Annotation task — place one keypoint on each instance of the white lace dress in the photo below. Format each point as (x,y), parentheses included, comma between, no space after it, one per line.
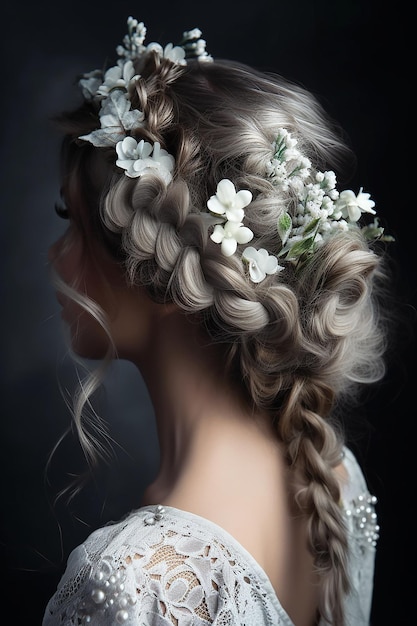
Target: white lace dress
(167,567)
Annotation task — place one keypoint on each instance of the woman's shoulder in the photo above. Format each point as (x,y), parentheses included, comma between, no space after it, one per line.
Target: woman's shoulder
(163,562)
(359,505)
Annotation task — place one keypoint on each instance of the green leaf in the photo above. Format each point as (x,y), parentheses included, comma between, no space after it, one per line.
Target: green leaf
(311,226)
(284,251)
(374,231)
(301,247)
(284,226)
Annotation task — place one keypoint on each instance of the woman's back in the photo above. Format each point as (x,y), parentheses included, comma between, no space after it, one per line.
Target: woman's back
(168,566)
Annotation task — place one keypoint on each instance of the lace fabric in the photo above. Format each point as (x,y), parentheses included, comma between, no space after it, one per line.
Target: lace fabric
(167,567)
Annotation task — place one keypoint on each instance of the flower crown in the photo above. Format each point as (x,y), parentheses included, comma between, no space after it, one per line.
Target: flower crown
(112,91)
(321,210)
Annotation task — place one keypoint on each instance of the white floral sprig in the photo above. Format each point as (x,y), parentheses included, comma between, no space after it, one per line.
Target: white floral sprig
(132,46)
(112,92)
(194,46)
(321,210)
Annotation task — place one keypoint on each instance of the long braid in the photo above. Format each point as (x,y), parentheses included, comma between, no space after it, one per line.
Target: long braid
(313,451)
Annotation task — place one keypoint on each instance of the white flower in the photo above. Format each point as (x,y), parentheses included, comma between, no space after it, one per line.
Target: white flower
(229,235)
(118,77)
(195,33)
(229,203)
(327,180)
(136,158)
(351,206)
(260,263)
(176,54)
(129,151)
(161,161)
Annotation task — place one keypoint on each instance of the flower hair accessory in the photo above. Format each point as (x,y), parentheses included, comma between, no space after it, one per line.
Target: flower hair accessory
(319,212)
(112,92)
(139,158)
(228,205)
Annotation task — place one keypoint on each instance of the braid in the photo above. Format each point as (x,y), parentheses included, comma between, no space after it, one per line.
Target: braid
(313,451)
(152,90)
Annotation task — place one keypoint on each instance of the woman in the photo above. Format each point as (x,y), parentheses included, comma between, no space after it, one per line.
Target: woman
(209,245)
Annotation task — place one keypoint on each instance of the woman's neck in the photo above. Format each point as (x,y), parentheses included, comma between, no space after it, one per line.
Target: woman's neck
(208,435)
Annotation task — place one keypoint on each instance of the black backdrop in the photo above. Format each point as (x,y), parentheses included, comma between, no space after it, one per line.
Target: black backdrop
(354,56)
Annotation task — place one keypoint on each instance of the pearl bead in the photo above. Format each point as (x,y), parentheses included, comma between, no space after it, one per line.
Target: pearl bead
(121,616)
(155,516)
(98,596)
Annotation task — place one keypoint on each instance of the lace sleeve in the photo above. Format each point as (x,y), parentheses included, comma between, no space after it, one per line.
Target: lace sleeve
(160,576)
(131,593)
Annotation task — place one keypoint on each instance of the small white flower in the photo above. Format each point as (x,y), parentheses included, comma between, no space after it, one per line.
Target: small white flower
(176,54)
(136,159)
(229,235)
(160,161)
(352,206)
(118,77)
(328,205)
(195,33)
(228,202)
(328,181)
(129,151)
(260,263)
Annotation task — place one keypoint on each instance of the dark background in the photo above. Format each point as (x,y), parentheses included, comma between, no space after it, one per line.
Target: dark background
(356,56)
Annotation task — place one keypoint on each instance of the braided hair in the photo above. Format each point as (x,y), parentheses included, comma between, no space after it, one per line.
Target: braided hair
(300,339)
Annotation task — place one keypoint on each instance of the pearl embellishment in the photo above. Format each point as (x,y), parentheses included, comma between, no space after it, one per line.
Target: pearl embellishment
(155,516)
(364,519)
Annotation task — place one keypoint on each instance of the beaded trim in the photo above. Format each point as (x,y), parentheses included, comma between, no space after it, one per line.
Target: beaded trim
(364,519)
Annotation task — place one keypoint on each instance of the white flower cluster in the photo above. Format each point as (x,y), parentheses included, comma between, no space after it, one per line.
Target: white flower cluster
(320,211)
(228,205)
(113,93)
